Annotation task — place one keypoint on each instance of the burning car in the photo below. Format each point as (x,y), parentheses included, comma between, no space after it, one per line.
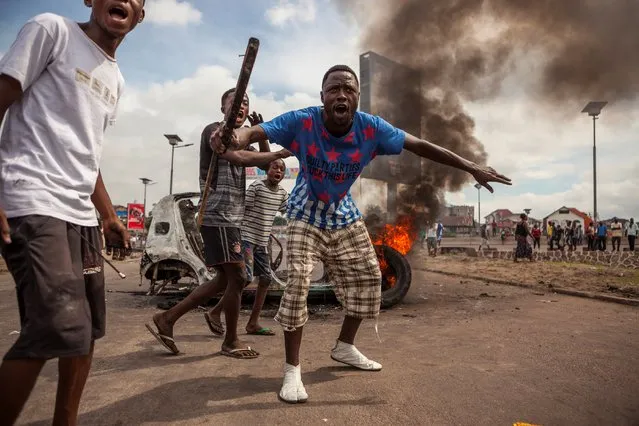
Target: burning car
(173,255)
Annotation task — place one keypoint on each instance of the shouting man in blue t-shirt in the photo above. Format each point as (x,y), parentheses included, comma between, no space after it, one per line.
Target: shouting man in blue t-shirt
(333,144)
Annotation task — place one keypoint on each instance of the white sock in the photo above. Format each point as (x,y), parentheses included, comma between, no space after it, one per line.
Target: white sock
(293,388)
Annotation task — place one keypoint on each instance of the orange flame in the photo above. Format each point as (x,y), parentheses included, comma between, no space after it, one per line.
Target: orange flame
(390,277)
(400,236)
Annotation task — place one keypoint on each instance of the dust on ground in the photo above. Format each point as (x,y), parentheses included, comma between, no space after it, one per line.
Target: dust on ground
(574,276)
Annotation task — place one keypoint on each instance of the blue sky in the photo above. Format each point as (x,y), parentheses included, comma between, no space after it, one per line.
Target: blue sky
(155,51)
(179,61)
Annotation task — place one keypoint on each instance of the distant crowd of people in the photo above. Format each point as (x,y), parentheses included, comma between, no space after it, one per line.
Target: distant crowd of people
(595,236)
(570,235)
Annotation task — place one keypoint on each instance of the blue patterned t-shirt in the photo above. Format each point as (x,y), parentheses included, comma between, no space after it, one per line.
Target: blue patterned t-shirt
(328,165)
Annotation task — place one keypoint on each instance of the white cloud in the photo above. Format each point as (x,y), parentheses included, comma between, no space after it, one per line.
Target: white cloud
(172,12)
(291,11)
(135,146)
(548,171)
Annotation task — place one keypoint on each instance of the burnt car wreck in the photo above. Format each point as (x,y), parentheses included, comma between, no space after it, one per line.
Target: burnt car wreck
(173,256)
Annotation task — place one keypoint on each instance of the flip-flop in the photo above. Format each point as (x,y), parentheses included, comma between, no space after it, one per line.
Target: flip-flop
(262,332)
(246,353)
(216,328)
(166,341)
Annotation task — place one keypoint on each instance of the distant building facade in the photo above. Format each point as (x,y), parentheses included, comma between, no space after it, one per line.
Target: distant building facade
(565,215)
(458,220)
(464,211)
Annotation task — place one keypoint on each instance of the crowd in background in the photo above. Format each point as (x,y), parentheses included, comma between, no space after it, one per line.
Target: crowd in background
(595,236)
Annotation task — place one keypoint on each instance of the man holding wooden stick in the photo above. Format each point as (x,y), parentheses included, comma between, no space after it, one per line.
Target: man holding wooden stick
(221,221)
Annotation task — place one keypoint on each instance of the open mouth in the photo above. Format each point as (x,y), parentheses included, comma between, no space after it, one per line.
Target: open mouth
(341,109)
(119,13)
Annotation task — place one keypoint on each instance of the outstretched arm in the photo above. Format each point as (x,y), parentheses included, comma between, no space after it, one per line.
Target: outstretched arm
(280,130)
(248,135)
(241,138)
(425,149)
(246,158)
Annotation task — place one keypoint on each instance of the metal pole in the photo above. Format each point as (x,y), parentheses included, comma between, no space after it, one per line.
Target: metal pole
(479,206)
(144,215)
(171,182)
(594,165)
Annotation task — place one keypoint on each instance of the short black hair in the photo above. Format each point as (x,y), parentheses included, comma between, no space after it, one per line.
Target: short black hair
(226,94)
(336,68)
(275,161)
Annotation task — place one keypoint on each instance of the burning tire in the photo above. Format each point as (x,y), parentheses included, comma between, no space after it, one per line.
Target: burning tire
(396,275)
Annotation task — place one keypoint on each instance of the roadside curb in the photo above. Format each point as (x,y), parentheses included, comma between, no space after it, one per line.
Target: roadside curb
(558,290)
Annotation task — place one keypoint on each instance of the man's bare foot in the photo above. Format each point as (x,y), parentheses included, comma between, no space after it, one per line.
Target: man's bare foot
(237,349)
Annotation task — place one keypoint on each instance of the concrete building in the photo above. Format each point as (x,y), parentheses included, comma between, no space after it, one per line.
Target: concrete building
(381,95)
(497,216)
(464,211)
(458,225)
(458,220)
(505,219)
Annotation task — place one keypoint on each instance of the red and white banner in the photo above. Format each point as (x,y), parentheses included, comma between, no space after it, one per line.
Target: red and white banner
(135,216)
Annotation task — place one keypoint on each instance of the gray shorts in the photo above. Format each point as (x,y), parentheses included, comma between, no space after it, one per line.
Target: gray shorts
(60,287)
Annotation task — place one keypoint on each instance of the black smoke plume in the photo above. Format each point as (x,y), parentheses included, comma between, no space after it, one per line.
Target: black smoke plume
(572,51)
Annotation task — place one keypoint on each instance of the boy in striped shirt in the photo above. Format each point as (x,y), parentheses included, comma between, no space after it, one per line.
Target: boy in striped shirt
(264,198)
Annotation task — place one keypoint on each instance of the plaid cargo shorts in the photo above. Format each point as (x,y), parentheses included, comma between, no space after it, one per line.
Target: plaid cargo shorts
(349,258)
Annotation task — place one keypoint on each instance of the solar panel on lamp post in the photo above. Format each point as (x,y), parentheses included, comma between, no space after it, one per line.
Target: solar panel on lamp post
(593,109)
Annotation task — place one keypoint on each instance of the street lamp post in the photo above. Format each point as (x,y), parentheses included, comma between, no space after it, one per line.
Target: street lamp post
(593,109)
(174,141)
(146,182)
(478,186)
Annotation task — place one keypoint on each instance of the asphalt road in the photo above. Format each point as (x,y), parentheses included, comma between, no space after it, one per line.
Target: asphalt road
(455,353)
